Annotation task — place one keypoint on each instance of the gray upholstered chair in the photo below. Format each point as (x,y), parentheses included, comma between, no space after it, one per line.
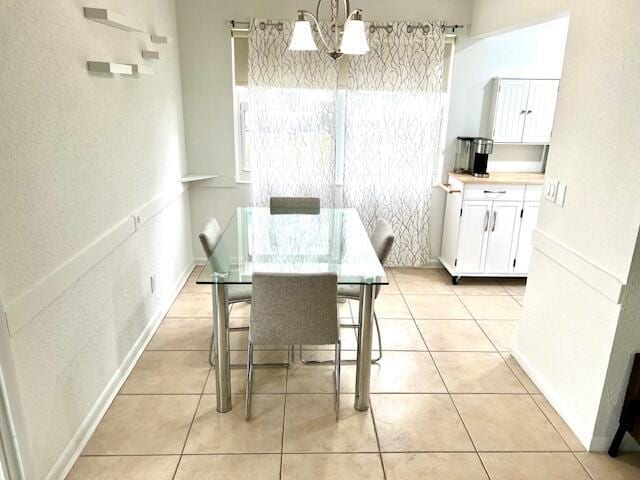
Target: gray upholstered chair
(284,205)
(209,238)
(294,309)
(382,240)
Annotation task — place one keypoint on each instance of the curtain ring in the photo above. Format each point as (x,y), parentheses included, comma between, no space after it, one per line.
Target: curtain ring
(279,26)
(387,28)
(426,29)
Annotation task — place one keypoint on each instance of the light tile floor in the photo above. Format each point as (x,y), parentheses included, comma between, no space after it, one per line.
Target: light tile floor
(448,400)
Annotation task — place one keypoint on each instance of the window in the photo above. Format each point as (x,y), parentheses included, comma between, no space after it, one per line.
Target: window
(240,47)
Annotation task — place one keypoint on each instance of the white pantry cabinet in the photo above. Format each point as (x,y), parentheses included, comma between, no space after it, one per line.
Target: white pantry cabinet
(523,110)
(489,223)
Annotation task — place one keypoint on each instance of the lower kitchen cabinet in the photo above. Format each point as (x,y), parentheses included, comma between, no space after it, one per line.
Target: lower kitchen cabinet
(488,226)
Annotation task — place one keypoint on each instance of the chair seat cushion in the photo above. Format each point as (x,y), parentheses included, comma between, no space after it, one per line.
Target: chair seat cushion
(238,293)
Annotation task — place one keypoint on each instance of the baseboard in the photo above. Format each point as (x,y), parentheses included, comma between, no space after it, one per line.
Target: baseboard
(602,444)
(77,443)
(583,432)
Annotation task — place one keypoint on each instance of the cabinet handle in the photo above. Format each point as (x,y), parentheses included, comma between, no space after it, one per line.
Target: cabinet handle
(523,112)
(495,216)
(486,220)
(529,112)
(495,192)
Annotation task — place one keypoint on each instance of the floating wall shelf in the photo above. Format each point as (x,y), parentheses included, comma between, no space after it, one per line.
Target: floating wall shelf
(109,17)
(150,55)
(161,39)
(141,69)
(110,67)
(192,177)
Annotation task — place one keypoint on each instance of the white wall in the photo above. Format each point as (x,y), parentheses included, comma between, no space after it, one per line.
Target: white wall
(594,235)
(205,54)
(532,52)
(80,153)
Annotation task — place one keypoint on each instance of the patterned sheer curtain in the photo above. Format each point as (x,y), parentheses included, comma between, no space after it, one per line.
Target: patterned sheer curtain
(291,116)
(393,121)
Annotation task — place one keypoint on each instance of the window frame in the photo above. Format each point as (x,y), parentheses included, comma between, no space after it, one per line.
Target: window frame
(241,105)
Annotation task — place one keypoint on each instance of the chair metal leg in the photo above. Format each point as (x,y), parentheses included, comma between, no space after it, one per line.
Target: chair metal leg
(313,362)
(348,362)
(375,321)
(247,403)
(337,379)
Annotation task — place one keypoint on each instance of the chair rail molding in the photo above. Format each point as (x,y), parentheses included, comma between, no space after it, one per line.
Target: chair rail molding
(605,283)
(51,286)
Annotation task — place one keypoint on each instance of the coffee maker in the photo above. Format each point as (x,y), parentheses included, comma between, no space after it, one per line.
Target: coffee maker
(473,155)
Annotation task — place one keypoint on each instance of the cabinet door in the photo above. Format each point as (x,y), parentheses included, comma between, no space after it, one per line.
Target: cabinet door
(510,110)
(474,226)
(527,226)
(541,110)
(500,244)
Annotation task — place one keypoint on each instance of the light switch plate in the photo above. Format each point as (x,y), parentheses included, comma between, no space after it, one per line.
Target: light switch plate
(551,189)
(561,191)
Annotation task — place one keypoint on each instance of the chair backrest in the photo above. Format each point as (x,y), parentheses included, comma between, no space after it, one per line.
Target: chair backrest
(294,309)
(303,205)
(210,236)
(382,239)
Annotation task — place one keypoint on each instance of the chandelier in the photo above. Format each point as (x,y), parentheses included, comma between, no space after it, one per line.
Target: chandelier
(347,39)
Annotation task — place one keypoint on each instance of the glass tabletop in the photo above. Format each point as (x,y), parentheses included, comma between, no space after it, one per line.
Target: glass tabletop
(328,240)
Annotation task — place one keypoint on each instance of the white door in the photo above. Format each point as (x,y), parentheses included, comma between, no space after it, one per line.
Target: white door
(500,245)
(527,226)
(541,110)
(474,226)
(510,110)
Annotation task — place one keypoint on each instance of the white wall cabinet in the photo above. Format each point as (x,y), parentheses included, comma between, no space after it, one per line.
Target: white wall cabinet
(489,226)
(523,110)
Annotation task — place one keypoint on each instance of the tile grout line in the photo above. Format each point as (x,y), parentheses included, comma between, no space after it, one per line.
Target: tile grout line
(375,431)
(447,388)
(193,419)
(284,411)
(491,341)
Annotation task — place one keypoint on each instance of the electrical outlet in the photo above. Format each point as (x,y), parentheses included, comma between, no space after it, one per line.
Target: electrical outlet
(153,283)
(551,189)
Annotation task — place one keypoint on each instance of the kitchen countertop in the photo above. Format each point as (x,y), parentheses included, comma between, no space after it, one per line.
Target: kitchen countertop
(510,178)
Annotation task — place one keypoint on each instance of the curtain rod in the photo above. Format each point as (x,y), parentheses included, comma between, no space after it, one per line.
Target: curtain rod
(235,25)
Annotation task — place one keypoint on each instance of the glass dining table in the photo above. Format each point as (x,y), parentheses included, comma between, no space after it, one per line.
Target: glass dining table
(264,240)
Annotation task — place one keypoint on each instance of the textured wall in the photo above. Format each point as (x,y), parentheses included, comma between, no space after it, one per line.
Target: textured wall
(80,152)
(594,151)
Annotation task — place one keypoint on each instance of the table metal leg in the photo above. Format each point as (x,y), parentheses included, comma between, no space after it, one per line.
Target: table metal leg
(221,348)
(365,336)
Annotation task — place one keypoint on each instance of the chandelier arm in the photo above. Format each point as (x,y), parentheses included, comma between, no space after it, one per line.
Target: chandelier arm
(317,23)
(351,14)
